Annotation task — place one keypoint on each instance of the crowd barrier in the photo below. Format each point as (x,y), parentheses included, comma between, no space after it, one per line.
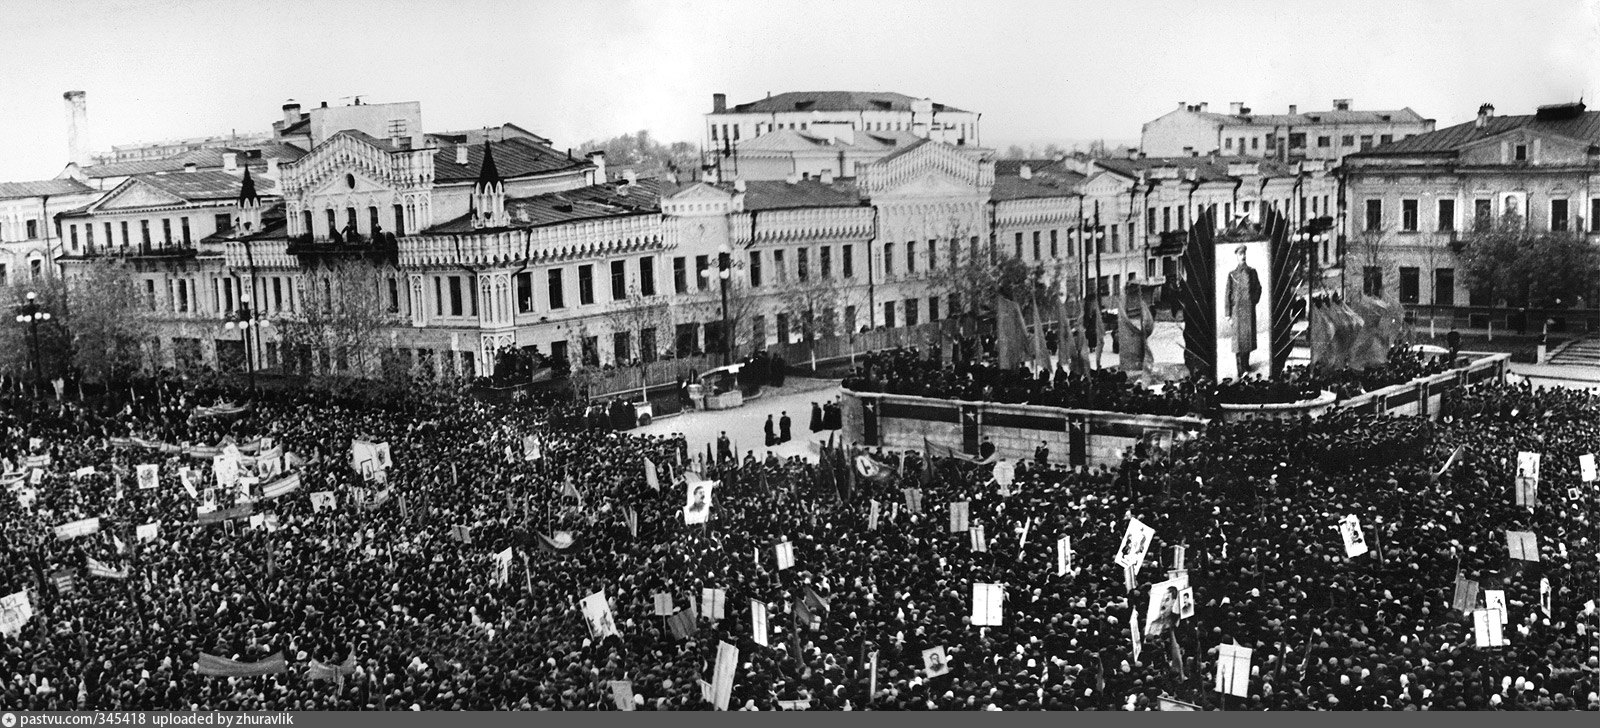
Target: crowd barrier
(1090,437)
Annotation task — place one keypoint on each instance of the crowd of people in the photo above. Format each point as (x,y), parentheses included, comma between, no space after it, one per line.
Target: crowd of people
(907,371)
(406,591)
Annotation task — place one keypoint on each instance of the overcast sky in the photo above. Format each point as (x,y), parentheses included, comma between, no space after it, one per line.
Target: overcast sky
(1062,70)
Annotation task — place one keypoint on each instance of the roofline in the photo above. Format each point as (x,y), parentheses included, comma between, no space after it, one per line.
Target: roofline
(531,226)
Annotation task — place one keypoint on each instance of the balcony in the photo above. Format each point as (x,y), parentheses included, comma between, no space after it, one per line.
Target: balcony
(379,248)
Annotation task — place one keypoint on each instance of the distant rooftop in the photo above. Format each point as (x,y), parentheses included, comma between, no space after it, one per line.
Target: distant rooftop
(832,101)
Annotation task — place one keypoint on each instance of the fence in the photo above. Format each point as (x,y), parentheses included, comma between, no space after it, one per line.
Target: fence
(1572,321)
(829,348)
(662,371)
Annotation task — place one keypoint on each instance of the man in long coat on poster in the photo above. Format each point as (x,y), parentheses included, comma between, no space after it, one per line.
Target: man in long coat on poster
(1244,292)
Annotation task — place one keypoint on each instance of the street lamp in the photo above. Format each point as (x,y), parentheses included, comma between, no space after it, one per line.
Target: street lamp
(1311,236)
(723,273)
(31,314)
(245,321)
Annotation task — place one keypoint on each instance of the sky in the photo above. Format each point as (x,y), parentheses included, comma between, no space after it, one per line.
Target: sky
(1062,71)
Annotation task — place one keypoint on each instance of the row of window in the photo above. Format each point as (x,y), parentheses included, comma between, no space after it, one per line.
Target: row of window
(146,239)
(35,270)
(31,227)
(352,221)
(1444,284)
(1560,219)
(556,286)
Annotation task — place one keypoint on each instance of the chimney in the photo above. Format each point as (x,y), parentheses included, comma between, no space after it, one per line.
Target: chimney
(272,168)
(1236,108)
(1341,104)
(324,104)
(461,154)
(77,128)
(1026,172)
(1204,105)
(291,113)
(190,167)
(630,176)
(598,159)
(708,174)
(1183,106)
(1194,153)
(1293,109)
(827,176)
(739,185)
(719,103)
(1485,113)
(230,161)
(793,178)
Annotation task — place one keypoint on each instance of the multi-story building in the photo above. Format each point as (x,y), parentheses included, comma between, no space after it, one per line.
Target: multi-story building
(1410,200)
(833,117)
(1326,135)
(29,239)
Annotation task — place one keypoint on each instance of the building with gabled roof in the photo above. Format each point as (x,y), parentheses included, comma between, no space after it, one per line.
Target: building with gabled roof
(29,238)
(1193,129)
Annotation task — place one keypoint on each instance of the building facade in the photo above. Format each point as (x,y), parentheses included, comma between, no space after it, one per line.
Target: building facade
(1411,201)
(836,116)
(29,239)
(1326,135)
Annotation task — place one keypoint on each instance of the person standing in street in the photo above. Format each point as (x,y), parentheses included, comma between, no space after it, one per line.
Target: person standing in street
(783,427)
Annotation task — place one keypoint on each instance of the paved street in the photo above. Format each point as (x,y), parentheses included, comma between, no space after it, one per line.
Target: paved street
(744,425)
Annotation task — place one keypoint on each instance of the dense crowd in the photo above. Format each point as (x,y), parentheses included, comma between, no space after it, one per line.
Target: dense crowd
(427,625)
(907,371)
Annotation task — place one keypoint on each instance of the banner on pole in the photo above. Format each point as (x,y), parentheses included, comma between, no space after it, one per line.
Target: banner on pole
(597,612)
(75,529)
(988,604)
(1233,670)
(1135,542)
(1355,542)
(1063,555)
(149,476)
(1523,545)
(758,622)
(935,662)
(785,552)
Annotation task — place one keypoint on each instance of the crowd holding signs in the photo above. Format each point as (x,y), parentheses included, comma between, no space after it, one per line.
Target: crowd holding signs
(469,556)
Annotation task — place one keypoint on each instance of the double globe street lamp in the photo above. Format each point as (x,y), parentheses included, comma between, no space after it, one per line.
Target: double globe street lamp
(249,325)
(723,272)
(31,314)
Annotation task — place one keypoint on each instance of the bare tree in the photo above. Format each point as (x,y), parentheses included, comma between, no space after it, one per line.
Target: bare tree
(107,321)
(636,315)
(336,330)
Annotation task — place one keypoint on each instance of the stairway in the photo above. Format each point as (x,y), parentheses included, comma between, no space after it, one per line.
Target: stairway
(1584,353)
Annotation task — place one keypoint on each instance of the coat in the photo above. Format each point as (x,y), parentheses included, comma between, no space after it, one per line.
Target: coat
(1244,292)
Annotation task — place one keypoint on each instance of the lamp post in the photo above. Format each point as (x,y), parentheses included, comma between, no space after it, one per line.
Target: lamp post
(31,314)
(245,320)
(723,273)
(1311,236)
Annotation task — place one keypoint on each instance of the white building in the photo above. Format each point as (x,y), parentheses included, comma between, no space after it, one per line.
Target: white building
(29,239)
(1327,135)
(836,115)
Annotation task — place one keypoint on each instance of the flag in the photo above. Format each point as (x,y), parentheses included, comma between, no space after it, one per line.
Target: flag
(870,468)
(1233,670)
(1022,541)
(1487,628)
(222,666)
(804,617)
(651,477)
(632,517)
(622,694)
(323,671)
(872,516)
(281,487)
(712,601)
(758,622)
(958,517)
(1465,598)
(1133,628)
(1454,454)
(815,602)
(722,676)
(1011,341)
(987,601)
(1523,545)
(682,625)
(913,500)
(1040,356)
(785,553)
